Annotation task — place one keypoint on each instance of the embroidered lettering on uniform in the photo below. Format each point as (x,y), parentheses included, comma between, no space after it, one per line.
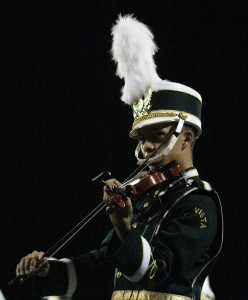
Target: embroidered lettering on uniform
(202,216)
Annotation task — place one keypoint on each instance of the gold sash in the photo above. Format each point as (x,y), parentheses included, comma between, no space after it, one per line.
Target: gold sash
(145,295)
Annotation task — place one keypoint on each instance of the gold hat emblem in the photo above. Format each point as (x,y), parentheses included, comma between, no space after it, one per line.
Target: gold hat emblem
(143,105)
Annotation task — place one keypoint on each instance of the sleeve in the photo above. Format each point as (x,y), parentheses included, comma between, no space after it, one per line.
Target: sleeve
(78,276)
(180,244)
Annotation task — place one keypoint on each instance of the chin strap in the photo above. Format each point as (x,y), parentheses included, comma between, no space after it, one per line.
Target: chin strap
(165,152)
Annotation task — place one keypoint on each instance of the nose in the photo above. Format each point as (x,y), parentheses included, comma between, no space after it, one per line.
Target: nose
(147,147)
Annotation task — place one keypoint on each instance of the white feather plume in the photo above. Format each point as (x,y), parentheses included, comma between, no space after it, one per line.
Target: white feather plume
(133,49)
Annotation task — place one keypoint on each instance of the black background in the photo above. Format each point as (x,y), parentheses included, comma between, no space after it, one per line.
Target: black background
(63,121)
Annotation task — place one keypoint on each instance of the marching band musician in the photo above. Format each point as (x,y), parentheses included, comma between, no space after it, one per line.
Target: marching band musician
(164,244)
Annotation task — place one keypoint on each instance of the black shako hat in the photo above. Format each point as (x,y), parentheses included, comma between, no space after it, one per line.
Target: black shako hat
(153,100)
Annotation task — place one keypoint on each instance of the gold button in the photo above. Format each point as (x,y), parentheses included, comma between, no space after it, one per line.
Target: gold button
(146,204)
(118,274)
(134,225)
(183,115)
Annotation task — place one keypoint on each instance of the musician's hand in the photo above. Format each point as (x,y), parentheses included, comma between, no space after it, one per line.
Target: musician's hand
(120,217)
(31,262)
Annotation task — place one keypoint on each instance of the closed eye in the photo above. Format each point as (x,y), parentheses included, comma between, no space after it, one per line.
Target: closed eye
(156,137)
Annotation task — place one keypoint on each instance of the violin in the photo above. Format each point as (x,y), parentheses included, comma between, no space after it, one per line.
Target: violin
(143,184)
(154,180)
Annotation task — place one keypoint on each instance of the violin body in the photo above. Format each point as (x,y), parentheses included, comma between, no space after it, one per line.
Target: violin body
(154,180)
(147,185)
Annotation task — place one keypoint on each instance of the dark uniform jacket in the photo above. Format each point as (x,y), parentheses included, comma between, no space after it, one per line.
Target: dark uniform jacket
(175,238)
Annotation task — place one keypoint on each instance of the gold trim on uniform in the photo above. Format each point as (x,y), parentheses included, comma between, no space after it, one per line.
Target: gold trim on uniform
(182,114)
(138,119)
(145,295)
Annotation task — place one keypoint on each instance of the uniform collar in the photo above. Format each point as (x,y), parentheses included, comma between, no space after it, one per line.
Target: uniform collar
(190,173)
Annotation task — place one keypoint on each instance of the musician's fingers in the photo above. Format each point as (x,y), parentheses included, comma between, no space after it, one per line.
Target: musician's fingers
(28,263)
(107,189)
(110,183)
(20,270)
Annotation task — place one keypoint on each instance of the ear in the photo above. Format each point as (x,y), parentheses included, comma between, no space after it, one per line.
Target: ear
(188,139)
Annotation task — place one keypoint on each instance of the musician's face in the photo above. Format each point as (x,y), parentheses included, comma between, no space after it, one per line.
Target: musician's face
(151,137)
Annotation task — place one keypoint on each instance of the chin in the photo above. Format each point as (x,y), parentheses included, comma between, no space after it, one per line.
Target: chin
(156,166)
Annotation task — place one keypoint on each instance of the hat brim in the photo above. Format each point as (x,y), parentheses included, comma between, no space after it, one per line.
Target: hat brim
(150,120)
